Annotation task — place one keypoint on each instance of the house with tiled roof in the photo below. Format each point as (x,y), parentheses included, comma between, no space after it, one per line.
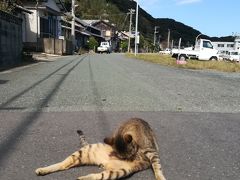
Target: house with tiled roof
(108,30)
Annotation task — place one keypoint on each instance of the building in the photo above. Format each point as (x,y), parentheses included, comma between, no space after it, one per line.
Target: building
(83,31)
(50,23)
(225,47)
(108,30)
(43,22)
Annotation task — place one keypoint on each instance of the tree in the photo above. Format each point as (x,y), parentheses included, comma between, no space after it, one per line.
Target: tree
(101,9)
(92,43)
(5,6)
(124,46)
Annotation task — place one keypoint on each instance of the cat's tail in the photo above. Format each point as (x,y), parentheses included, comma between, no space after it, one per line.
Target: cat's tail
(83,141)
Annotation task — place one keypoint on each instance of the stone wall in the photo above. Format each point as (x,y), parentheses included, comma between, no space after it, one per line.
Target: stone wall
(10,40)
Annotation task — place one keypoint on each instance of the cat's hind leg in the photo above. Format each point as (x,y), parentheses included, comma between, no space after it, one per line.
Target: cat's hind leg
(92,154)
(70,161)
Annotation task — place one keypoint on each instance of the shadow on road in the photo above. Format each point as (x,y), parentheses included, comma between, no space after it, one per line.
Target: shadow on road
(3,105)
(12,140)
(101,117)
(3,81)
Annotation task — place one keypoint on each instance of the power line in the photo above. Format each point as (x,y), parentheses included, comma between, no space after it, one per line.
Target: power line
(90,15)
(123,26)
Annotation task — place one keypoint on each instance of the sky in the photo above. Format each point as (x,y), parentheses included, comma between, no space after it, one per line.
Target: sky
(211,17)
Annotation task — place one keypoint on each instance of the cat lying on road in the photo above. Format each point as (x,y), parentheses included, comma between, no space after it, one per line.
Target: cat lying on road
(132,148)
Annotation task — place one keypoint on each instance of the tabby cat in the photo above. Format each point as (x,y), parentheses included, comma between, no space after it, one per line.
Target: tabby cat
(115,165)
(134,140)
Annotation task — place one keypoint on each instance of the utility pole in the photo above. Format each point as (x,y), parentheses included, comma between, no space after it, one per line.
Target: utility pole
(130,28)
(168,43)
(73,25)
(37,35)
(136,29)
(155,32)
(159,42)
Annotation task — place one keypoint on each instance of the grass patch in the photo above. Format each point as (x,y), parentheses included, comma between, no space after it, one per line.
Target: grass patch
(167,60)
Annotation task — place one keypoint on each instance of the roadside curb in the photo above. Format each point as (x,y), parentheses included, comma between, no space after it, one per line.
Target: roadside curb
(34,59)
(44,57)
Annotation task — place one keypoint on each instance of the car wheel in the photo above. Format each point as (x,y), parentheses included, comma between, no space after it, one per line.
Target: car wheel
(213,58)
(182,57)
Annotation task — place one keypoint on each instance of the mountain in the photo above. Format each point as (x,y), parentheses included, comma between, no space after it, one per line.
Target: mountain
(147,25)
(116,11)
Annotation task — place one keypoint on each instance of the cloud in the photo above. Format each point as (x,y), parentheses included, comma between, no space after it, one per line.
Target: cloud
(182,2)
(148,4)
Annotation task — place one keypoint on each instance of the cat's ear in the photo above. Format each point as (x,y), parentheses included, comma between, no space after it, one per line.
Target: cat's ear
(127,138)
(108,141)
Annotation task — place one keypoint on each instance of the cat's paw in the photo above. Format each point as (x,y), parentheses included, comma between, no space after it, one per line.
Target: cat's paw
(40,172)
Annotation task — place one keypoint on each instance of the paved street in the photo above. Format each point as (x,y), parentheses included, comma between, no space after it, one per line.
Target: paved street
(195,114)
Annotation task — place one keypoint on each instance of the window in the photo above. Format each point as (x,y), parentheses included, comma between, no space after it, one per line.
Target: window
(220,45)
(48,27)
(234,53)
(230,45)
(207,44)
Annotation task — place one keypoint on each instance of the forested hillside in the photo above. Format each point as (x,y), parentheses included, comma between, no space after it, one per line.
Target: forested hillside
(116,11)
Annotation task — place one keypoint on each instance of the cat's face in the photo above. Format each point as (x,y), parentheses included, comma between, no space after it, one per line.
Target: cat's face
(124,146)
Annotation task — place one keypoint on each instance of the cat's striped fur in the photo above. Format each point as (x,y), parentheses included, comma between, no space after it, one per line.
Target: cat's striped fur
(134,140)
(105,155)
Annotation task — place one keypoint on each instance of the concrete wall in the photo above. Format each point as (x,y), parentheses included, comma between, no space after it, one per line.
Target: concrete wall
(57,46)
(31,27)
(10,40)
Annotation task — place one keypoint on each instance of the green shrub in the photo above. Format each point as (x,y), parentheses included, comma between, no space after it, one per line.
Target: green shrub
(124,46)
(92,43)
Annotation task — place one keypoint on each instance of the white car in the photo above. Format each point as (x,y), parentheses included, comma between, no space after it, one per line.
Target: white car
(104,47)
(233,56)
(166,51)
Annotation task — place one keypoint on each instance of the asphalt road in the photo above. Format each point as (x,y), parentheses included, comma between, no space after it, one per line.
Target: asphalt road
(196,115)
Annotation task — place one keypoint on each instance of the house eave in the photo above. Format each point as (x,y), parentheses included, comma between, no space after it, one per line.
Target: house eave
(23,9)
(47,9)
